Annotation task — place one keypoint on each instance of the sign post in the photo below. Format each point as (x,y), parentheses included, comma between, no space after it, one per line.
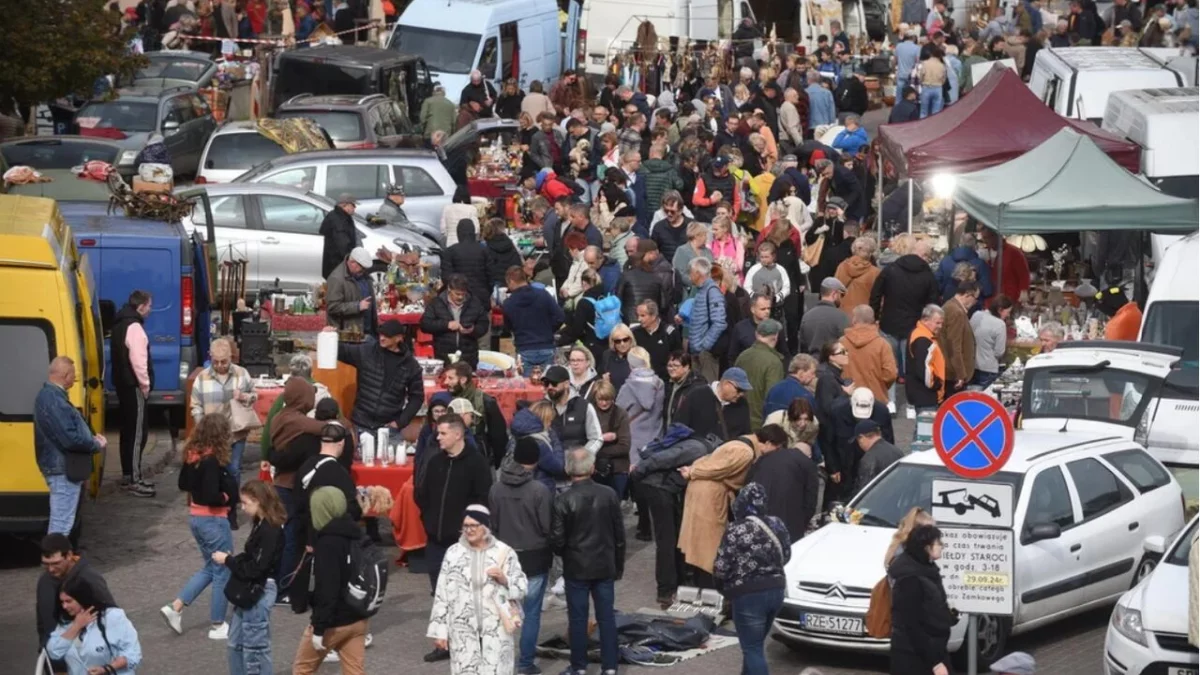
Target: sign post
(973,435)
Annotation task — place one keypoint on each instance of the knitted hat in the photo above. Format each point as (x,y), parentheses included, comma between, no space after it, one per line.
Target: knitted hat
(480,514)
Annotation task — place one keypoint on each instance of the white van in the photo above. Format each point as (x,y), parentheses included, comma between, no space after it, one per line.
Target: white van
(500,38)
(1076,81)
(1162,121)
(1172,314)
(611,26)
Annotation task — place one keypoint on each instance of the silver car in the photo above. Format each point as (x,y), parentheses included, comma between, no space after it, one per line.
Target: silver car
(366,174)
(234,149)
(277,230)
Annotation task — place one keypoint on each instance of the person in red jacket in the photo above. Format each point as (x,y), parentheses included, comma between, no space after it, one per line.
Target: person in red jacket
(551,186)
(1015,279)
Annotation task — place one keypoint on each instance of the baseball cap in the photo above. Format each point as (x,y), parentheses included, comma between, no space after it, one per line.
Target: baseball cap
(333,433)
(346,198)
(768,327)
(790,159)
(862,403)
(721,162)
(1016,663)
(832,284)
(555,375)
(737,377)
(391,328)
(836,201)
(866,427)
(461,405)
(360,256)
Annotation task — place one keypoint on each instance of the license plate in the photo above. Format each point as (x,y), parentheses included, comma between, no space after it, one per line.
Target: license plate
(1181,671)
(598,60)
(825,623)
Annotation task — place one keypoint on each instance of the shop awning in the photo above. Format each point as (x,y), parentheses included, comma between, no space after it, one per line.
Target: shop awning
(998,120)
(1067,184)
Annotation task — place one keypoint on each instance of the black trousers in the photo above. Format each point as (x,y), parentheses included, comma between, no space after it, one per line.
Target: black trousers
(434,554)
(134,428)
(793,311)
(666,517)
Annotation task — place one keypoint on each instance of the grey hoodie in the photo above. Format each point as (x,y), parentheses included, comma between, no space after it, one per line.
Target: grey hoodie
(521,510)
(642,398)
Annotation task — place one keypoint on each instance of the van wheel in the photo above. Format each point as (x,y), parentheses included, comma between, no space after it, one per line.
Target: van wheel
(1144,568)
(992,639)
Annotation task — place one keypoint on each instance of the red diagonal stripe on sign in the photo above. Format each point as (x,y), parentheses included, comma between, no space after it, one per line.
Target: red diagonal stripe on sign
(972,433)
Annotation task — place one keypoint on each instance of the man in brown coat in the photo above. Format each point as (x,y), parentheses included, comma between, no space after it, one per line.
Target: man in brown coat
(872,362)
(957,339)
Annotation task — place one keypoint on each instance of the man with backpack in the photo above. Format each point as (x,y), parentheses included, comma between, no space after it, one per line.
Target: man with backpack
(708,319)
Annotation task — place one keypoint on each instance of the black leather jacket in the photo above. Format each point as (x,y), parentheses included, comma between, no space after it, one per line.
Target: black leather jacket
(588,533)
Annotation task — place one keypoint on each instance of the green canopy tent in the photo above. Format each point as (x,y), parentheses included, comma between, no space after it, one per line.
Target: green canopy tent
(1067,184)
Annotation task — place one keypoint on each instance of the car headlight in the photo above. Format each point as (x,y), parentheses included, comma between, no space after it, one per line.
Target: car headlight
(128,157)
(1128,622)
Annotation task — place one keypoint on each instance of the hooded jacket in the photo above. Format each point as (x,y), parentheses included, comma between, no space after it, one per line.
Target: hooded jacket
(983,274)
(872,362)
(532,316)
(331,573)
(858,274)
(749,559)
(468,258)
(501,254)
(391,387)
(921,618)
(521,510)
(299,397)
(642,400)
(473,315)
(550,467)
(340,237)
(900,292)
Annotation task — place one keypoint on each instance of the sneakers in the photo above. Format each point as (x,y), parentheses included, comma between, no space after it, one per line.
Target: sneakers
(220,632)
(529,670)
(283,601)
(174,619)
(138,488)
(368,640)
(332,657)
(437,655)
(892,408)
(572,671)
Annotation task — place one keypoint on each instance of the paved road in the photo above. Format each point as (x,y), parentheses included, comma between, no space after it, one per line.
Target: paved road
(146,552)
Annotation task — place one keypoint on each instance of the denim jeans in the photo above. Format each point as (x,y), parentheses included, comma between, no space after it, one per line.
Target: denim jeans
(212,533)
(899,347)
(291,548)
(533,620)
(601,592)
(535,357)
(931,101)
(753,615)
(64,502)
(619,482)
(984,379)
(249,644)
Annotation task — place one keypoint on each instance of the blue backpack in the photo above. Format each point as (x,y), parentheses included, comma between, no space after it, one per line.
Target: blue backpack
(608,315)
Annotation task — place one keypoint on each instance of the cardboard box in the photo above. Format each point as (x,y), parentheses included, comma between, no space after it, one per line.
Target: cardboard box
(140,185)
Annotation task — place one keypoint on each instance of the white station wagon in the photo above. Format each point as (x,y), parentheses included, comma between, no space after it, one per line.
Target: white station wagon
(1084,505)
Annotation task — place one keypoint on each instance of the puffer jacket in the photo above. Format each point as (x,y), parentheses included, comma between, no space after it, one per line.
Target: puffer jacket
(468,258)
(437,317)
(581,326)
(501,255)
(659,469)
(900,292)
(642,400)
(550,467)
(391,387)
(858,275)
(660,176)
(749,559)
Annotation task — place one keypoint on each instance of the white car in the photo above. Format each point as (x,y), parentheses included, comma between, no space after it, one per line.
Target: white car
(276,229)
(1084,503)
(1148,630)
(232,150)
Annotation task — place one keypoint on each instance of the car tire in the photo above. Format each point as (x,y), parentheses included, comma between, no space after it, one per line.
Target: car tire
(992,641)
(1143,570)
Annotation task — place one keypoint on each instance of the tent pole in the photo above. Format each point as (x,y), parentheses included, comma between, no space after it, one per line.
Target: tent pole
(1000,265)
(910,203)
(879,195)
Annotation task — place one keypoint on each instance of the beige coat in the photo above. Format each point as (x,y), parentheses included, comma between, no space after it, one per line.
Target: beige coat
(957,340)
(715,481)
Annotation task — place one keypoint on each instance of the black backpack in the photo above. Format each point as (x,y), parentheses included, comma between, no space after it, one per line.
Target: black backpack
(368,578)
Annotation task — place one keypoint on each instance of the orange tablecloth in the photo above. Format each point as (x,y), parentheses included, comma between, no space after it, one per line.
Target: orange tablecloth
(405,516)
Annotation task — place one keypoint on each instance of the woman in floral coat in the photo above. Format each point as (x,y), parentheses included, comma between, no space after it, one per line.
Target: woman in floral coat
(476,605)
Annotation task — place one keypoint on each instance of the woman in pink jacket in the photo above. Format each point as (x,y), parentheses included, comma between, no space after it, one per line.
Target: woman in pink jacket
(726,245)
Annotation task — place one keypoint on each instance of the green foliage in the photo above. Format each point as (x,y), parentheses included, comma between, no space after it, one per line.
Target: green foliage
(52,48)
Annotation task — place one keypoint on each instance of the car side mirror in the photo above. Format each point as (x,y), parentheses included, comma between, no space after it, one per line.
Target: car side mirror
(1155,544)
(170,127)
(1043,531)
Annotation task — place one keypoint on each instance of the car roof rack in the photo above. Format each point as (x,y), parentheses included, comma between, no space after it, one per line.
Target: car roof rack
(297,98)
(1123,345)
(369,97)
(176,90)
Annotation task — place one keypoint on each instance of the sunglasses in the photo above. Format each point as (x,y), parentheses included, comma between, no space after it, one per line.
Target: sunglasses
(623,340)
(839,353)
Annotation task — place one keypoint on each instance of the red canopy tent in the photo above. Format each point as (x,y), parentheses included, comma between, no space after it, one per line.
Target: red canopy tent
(999,120)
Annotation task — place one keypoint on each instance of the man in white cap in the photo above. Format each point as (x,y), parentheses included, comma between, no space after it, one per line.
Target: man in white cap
(349,298)
(1016,663)
(841,460)
(339,233)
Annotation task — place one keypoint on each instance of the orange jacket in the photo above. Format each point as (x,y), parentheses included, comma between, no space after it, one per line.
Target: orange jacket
(1125,324)
(933,369)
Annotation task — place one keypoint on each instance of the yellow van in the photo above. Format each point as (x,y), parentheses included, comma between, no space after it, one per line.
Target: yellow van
(48,308)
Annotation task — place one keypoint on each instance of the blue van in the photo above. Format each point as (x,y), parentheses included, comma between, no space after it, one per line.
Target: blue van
(128,254)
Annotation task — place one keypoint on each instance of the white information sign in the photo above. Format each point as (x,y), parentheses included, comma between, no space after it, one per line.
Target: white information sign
(971,502)
(977,569)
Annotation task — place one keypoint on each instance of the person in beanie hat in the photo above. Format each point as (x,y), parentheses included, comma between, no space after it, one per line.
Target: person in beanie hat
(520,514)
(472,617)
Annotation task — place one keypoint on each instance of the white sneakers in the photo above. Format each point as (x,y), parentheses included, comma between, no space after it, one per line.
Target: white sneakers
(174,619)
(332,656)
(220,632)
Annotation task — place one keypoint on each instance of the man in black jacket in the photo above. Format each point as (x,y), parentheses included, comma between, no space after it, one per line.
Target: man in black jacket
(62,565)
(641,281)
(878,453)
(901,292)
(656,336)
(325,470)
(339,232)
(456,319)
(681,381)
(390,388)
(587,531)
(452,480)
(790,477)
(843,454)
(521,516)
(719,409)
(469,259)
(132,377)
(489,427)
(744,331)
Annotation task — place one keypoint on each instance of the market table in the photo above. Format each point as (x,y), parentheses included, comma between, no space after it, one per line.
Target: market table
(407,529)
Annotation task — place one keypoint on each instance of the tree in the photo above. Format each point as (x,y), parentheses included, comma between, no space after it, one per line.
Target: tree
(55,48)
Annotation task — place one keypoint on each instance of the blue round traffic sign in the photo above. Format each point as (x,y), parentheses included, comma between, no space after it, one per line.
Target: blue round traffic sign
(973,434)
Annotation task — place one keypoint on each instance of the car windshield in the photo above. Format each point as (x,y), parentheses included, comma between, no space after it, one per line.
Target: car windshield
(51,153)
(341,126)
(122,115)
(240,151)
(444,51)
(905,485)
(173,69)
(1175,323)
(1179,554)
(1097,393)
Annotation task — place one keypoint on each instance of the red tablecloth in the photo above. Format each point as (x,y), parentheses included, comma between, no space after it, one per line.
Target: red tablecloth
(313,323)
(507,391)
(405,516)
(266,399)
(490,189)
